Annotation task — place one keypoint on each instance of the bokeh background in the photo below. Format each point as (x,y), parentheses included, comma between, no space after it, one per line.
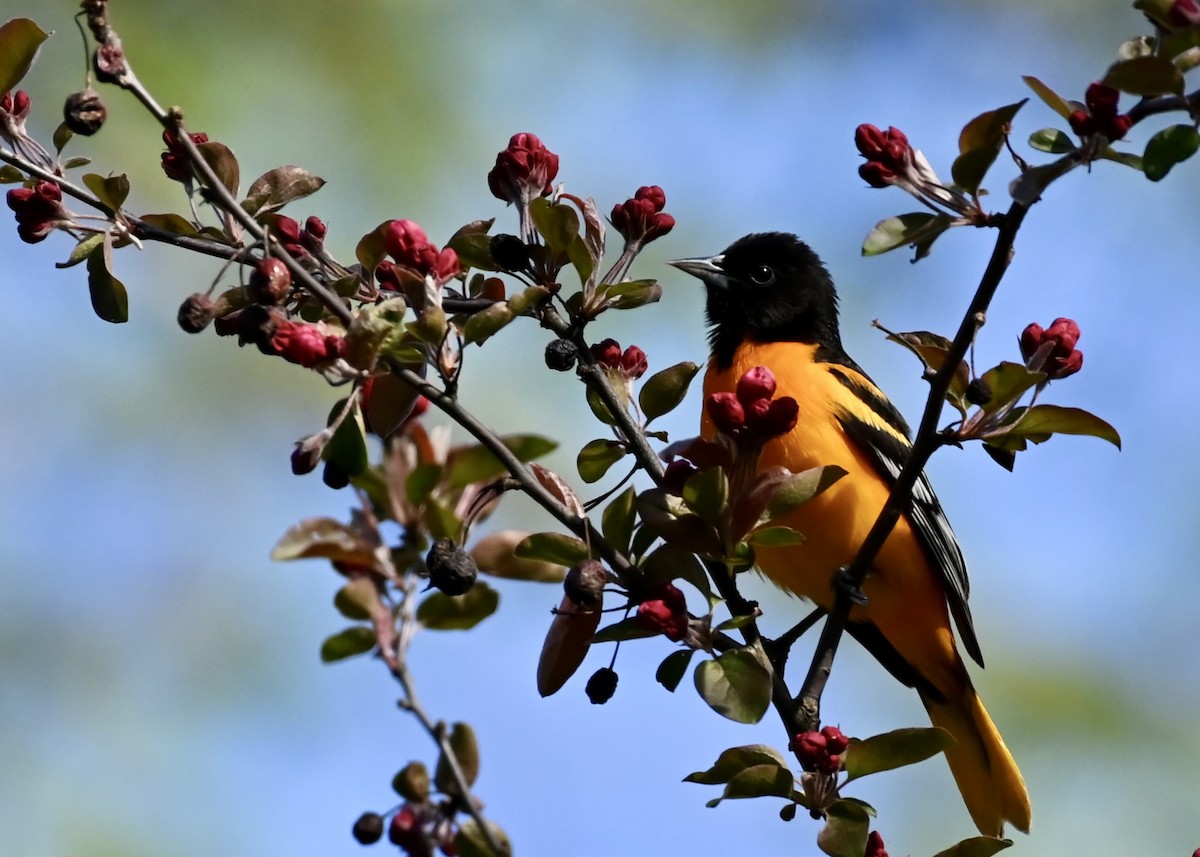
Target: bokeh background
(160,690)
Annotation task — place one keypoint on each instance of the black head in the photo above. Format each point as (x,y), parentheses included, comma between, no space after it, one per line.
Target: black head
(769,286)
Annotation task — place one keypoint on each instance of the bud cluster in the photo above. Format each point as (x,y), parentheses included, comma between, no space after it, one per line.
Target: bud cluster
(1101,115)
(300,242)
(309,345)
(14,108)
(38,209)
(407,243)
(630,364)
(1052,350)
(175,162)
(875,845)
(888,154)
(822,751)
(641,219)
(664,612)
(751,414)
(524,171)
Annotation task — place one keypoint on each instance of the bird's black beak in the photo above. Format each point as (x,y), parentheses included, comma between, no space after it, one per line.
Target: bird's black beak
(708,270)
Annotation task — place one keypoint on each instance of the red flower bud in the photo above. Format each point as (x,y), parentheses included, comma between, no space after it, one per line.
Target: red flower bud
(270,281)
(876,174)
(726,412)
(678,472)
(1057,345)
(1184,13)
(313,238)
(1101,100)
(835,739)
(14,107)
(524,171)
(607,352)
(875,845)
(175,160)
(757,383)
(304,344)
(886,153)
(831,764)
(38,210)
(811,749)
(1117,127)
(405,829)
(640,219)
(869,140)
(777,419)
(634,363)
(407,243)
(1082,123)
(664,613)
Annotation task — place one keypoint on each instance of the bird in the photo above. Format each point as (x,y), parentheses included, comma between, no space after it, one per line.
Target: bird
(771,302)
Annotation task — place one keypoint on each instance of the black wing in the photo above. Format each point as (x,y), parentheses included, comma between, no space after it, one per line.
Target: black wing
(888,452)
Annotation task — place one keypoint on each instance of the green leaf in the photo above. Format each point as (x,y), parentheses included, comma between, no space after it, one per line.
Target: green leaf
(665,390)
(767,780)
(470,840)
(324,538)
(557,223)
(666,516)
(442,612)
(473,245)
(495,554)
(735,685)
(1052,140)
(81,251)
(72,163)
(10,174)
(62,136)
(465,747)
(626,629)
(370,248)
(1008,382)
(476,463)
(894,750)
(632,294)
(775,537)
(733,761)
(670,672)
(110,190)
(799,488)
(567,643)
(1169,147)
(109,298)
(931,349)
(276,188)
(172,223)
(669,562)
(599,408)
(1145,76)
(347,449)
(1051,98)
(487,322)
(976,846)
(355,640)
(979,143)
(221,160)
(1027,188)
(412,782)
(20,39)
(596,457)
(553,547)
(919,227)
(523,301)
(1045,420)
(707,494)
(358,599)
(391,400)
(847,824)
(616,523)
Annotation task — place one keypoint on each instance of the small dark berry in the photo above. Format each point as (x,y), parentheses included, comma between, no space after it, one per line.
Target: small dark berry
(601,686)
(509,253)
(979,392)
(84,112)
(307,454)
(451,569)
(584,583)
(197,312)
(560,355)
(368,829)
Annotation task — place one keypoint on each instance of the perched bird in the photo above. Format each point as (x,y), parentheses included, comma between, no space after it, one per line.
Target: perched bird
(772,303)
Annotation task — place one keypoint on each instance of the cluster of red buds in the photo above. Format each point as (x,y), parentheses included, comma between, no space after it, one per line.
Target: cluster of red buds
(38,209)
(309,345)
(752,414)
(407,243)
(524,171)
(821,752)
(1101,116)
(1052,350)
(641,219)
(300,242)
(175,161)
(888,154)
(664,612)
(416,829)
(630,364)
(14,107)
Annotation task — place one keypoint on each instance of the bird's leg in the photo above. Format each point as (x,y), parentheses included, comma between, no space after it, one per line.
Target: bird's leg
(845,586)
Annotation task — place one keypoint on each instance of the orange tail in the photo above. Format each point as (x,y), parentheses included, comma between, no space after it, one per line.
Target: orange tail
(987,776)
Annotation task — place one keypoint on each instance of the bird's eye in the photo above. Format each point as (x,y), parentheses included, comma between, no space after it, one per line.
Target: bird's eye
(763,275)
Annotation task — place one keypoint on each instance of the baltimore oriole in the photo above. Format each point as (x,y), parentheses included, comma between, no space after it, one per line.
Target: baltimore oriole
(772,303)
